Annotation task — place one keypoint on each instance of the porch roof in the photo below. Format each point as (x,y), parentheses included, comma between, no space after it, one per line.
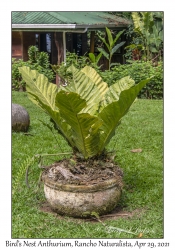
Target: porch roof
(61,20)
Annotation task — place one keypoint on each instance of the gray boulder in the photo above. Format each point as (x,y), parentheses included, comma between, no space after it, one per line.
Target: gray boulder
(20,118)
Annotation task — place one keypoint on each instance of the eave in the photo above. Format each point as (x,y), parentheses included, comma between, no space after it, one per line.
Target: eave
(61,27)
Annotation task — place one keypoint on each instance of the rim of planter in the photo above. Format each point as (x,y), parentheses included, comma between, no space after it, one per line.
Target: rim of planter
(106,184)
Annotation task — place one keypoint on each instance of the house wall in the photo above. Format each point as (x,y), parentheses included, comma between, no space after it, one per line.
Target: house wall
(17,45)
(20,44)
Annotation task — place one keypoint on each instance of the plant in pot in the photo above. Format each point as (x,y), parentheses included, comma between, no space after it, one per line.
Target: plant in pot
(86,113)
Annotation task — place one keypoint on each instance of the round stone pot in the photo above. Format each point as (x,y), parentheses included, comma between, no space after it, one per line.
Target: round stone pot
(82,200)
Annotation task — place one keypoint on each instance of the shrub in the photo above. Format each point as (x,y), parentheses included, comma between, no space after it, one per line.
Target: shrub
(17,81)
(139,71)
(40,61)
(73,59)
(37,61)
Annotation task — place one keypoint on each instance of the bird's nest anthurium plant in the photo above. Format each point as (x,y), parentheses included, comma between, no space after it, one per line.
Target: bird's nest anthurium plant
(86,111)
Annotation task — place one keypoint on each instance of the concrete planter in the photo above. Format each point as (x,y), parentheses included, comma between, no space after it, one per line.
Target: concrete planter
(82,200)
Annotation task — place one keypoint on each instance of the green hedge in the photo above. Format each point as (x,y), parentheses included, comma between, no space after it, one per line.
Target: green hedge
(139,71)
(37,61)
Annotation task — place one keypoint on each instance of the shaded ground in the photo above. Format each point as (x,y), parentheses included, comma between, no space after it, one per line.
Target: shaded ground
(117,213)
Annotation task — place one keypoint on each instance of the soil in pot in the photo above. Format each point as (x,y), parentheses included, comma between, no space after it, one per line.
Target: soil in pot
(75,187)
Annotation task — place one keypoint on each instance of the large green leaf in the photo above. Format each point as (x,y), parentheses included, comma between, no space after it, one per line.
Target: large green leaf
(110,38)
(43,94)
(104,41)
(117,47)
(147,21)
(138,25)
(155,39)
(114,91)
(103,51)
(86,112)
(39,88)
(85,128)
(97,59)
(89,85)
(96,79)
(92,57)
(114,111)
(118,36)
(40,91)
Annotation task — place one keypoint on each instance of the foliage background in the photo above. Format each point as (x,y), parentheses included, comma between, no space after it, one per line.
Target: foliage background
(139,71)
(38,61)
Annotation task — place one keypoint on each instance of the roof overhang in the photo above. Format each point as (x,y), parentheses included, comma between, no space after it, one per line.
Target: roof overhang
(60,27)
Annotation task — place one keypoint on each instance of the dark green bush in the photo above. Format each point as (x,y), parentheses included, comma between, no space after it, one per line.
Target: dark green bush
(78,61)
(17,82)
(139,71)
(38,61)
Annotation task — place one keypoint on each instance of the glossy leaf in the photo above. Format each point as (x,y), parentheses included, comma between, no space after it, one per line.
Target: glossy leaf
(117,47)
(89,85)
(87,111)
(114,91)
(98,57)
(118,36)
(92,57)
(43,94)
(104,41)
(104,52)
(110,38)
(85,128)
(115,110)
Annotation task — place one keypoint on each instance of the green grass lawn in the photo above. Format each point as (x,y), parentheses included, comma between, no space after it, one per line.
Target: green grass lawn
(142,196)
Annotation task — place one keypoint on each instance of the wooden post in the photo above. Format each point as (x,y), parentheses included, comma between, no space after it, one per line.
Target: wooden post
(84,43)
(92,41)
(58,36)
(21,36)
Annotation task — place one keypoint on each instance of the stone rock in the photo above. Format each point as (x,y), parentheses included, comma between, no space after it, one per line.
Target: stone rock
(20,118)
